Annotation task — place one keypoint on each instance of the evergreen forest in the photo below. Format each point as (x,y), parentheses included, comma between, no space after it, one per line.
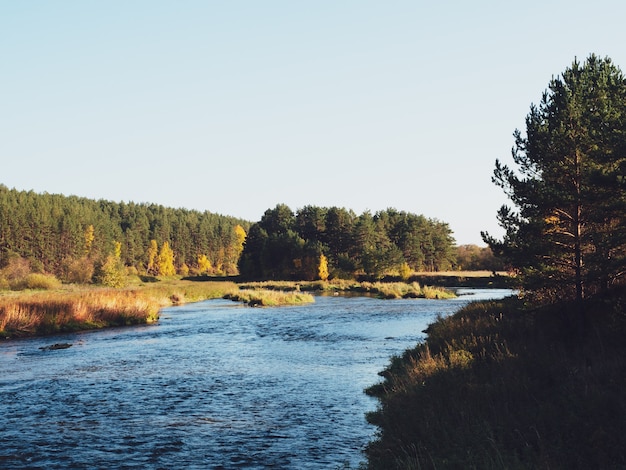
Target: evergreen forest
(74,238)
(318,242)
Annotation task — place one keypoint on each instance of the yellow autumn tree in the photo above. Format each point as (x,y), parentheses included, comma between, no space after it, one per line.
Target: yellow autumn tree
(89,239)
(322,269)
(112,273)
(204,265)
(241,238)
(166,260)
(405,271)
(153,251)
(183,270)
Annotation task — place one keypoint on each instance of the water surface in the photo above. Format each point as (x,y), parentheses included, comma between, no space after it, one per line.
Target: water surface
(214,385)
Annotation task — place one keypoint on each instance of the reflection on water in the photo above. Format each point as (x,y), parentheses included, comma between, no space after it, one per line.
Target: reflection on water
(213,385)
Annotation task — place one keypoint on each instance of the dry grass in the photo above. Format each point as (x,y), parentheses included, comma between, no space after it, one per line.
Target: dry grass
(72,308)
(384,290)
(46,313)
(270,298)
(497,386)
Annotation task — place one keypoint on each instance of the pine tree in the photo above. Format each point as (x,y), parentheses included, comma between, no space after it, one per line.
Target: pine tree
(567,236)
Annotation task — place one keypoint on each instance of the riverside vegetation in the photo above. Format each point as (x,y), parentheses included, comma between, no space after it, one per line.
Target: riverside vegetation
(72,308)
(537,382)
(48,307)
(501,385)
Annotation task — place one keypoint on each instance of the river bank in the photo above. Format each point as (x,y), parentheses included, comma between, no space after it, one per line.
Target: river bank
(499,386)
(76,308)
(213,385)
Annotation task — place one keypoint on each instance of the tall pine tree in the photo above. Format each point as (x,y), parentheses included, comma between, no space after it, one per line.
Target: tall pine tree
(567,235)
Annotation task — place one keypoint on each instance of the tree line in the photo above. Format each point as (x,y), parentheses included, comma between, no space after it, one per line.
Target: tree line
(317,242)
(74,238)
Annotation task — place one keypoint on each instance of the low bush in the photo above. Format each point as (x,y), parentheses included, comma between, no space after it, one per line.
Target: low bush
(42,281)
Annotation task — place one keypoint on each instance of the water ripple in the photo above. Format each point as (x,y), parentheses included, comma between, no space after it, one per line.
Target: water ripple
(210,386)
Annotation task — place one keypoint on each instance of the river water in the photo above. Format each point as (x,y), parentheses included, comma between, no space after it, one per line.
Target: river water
(213,385)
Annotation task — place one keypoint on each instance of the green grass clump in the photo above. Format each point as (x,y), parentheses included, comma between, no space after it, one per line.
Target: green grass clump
(269,298)
(500,386)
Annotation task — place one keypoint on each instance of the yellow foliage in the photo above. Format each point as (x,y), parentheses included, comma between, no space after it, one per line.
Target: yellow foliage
(184,270)
(89,239)
(204,265)
(117,250)
(552,222)
(153,251)
(322,270)
(166,261)
(405,271)
(240,233)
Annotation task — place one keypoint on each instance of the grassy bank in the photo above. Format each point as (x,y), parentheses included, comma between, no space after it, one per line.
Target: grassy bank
(54,312)
(32,313)
(497,386)
(64,308)
(269,298)
(385,290)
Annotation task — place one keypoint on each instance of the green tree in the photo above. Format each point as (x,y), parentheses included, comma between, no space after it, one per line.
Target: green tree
(567,235)
(152,253)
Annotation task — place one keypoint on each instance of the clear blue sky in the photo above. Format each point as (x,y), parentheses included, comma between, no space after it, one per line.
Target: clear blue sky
(236,106)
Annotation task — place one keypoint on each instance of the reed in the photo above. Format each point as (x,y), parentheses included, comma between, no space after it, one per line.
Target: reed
(72,309)
(54,312)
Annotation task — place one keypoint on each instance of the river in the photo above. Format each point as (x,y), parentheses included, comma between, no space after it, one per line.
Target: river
(213,385)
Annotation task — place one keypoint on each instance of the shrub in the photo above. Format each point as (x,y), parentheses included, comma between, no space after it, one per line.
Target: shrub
(41,281)
(111,273)
(78,271)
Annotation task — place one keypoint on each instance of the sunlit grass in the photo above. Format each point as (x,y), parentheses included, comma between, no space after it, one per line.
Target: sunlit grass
(270,298)
(73,308)
(52,312)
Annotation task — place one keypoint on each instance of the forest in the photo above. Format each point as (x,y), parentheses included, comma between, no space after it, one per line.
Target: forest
(80,240)
(318,242)
(74,238)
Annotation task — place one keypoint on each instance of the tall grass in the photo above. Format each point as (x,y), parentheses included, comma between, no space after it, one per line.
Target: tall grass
(72,309)
(269,298)
(177,292)
(54,312)
(385,290)
(498,386)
